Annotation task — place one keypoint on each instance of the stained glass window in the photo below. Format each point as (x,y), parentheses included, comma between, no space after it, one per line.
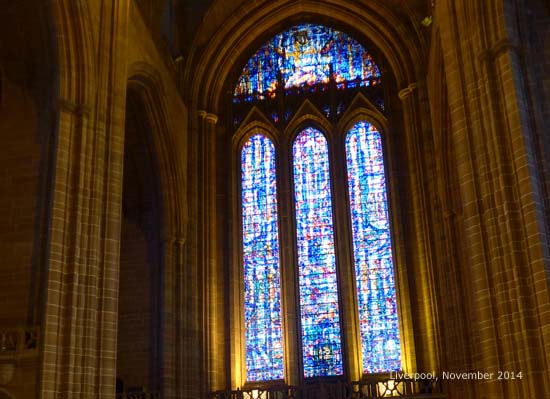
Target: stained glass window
(372,249)
(320,319)
(262,298)
(319,64)
(306,54)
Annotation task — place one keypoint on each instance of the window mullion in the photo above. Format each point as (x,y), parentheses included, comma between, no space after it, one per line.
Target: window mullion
(289,275)
(344,259)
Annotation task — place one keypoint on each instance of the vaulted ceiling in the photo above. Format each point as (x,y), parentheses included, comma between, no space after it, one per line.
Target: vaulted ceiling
(189,16)
(192,12)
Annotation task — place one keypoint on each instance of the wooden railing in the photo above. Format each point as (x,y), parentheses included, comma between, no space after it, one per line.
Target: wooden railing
(367,389)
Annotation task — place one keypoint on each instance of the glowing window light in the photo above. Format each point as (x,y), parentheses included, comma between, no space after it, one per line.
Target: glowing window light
(305,55)
(319,310)
(372,249)
(262,298)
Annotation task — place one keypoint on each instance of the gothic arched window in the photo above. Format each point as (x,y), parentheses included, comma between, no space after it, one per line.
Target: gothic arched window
(264,347)
(379,326)
(319,309)
(303,107)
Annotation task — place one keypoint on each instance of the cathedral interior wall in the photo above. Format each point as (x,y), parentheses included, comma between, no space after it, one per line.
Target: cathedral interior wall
(116,224)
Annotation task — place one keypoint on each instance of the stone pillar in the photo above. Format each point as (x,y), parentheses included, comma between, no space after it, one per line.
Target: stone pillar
(214,278)
(504,232)
(178,330)
(79,352)
(81,287)
(425,354)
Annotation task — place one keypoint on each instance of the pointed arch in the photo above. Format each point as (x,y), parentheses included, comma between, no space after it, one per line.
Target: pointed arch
(147,85)
(163,143)
(210,68)
(397,54)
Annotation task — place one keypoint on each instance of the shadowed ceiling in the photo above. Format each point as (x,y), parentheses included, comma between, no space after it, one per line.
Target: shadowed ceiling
(187,17)
(194,11)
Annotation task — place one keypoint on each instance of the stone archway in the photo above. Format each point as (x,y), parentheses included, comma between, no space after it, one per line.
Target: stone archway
(139,350)
(211,70)
(163,181)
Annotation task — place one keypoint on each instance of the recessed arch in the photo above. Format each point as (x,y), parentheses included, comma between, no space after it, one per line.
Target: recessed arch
(145,82)
(228,46)
(254,122)
(362,109)
(336,351)
(160,188)
(247,30)
(142,264)
(306,114)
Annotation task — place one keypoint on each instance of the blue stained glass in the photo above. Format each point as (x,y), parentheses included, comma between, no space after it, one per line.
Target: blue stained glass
(321,343)
(304,55)
(262,298)
(378,321)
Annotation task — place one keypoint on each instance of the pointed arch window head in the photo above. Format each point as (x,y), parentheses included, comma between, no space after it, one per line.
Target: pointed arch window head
(305,55)
(328,327)
(262,297)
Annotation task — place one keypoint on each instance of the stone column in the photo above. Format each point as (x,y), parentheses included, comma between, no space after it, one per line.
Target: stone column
(81,287)
(179,332)
(79,352)
(504,233)
(421,345)
(214,278)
